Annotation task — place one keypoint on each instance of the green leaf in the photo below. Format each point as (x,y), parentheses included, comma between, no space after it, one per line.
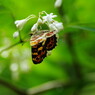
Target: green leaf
(82,27)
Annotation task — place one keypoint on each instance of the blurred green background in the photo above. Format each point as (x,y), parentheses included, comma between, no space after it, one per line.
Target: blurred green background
(72,61)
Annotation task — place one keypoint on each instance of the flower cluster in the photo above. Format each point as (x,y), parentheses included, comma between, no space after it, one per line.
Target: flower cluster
(47,19)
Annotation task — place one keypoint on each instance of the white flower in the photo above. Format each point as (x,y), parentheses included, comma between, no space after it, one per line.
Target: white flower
(21,23)
(58,25)
(48,17)
(58,3)
(16,34)
(35,27)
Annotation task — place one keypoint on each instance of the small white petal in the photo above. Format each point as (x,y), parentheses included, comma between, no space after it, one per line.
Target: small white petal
(52,16)
(16,34)
(35,27)
(58,3)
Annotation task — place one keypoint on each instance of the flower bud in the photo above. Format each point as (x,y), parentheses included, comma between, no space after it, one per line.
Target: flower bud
(16,34)
(35,27)
(58,3)
(39,21)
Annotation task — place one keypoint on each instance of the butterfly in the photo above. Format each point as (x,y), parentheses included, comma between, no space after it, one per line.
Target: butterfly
(42,42)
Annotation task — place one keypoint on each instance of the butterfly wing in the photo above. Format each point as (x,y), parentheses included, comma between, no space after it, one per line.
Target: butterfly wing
(51,42)
(41,44)
(38,53)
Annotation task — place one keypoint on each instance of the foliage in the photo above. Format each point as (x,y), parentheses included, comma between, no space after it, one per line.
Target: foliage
(72,61)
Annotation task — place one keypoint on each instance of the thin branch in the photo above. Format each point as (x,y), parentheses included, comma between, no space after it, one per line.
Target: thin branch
(46,87)
(20,37)
(36,90)
(12,87)
(9,47)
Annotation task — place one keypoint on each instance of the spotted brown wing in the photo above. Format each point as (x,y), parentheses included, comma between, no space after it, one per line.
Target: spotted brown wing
(51,42)
(38,53)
